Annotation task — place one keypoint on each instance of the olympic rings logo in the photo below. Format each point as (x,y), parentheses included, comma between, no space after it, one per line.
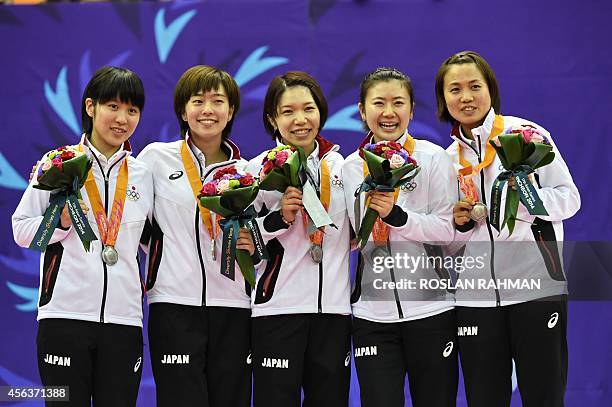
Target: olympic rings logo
(132,194)
(409,186)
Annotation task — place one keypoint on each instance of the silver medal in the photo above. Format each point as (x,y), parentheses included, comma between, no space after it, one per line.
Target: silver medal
(479,212)
(316,253)
(109,255)
(379,251)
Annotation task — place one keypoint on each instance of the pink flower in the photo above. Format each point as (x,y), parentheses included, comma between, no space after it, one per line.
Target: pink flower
(532,136)
(46,165)
(388,154)
(57,161)
(281,157)
(223,186)
(209,189)
(396,161)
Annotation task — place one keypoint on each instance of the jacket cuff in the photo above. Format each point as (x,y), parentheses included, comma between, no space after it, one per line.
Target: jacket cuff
(274,222)
(397,217)
(466,227)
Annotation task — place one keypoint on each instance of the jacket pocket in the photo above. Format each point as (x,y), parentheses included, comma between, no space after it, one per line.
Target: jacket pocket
(544,235)
(267,281)
(51,265)
(155,254)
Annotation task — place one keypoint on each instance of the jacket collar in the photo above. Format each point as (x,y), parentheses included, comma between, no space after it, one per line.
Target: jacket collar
(481,133)
(124,151)
(228,145)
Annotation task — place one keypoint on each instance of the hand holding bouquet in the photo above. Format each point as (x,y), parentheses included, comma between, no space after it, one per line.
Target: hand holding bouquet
(63,172)
(521,150)
(231,194)
(389,166)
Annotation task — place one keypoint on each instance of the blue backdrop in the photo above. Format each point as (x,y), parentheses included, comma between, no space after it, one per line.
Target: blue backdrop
(551,57)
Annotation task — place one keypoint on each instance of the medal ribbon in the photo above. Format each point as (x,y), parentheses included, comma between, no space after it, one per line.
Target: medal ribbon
(109,230)
(498,127)
(316,237)
(380,231)
(196,187)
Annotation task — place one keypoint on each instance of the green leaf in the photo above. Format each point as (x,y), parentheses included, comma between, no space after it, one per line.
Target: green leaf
(232,202)
(539,151)
(512,145)
(511,209)
(548,158)
(276,180)
(400,176)
(367,223)
(376,166)
(501,155)
(245,263)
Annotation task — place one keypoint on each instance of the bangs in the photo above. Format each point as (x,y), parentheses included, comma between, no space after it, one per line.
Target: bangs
(207,83)
(124,86)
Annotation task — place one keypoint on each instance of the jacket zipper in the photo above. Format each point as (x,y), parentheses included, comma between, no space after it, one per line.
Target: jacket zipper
(106,175)
(197,223)
(491,240)
(400,312)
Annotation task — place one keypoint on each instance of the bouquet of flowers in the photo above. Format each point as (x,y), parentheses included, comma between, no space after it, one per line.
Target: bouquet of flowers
(63,171)
(281,169)
(521,150)
(285,166)
(230,194)
(389,166)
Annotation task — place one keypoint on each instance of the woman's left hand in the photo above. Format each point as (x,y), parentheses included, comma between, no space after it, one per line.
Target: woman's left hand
(531,178)
(382,202)
(245,241)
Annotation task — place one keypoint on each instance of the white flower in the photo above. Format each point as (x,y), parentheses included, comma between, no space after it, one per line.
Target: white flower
(396,161)
(46,165)
(223,186)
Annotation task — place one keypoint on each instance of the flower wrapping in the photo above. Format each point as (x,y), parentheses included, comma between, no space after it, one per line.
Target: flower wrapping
(231,194)
(63,171)
(389,166)
(285,166)
(521,150)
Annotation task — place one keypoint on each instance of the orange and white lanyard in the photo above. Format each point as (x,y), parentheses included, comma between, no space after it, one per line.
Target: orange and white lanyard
(196,187)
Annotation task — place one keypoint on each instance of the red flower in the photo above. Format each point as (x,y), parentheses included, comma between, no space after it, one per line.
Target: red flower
(395,145)
(220,173)
(268,166)
(388,154)
(209,189)
(247,180)
(66,155)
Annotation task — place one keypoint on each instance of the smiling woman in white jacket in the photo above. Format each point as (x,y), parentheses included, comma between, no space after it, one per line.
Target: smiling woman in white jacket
(405,330)
(90,311)
(301,310)
(498,323)
(199,319)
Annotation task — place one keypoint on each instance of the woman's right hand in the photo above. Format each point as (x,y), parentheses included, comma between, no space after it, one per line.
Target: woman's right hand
(291,203)
(461,212)
(33,171)
(65,220)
